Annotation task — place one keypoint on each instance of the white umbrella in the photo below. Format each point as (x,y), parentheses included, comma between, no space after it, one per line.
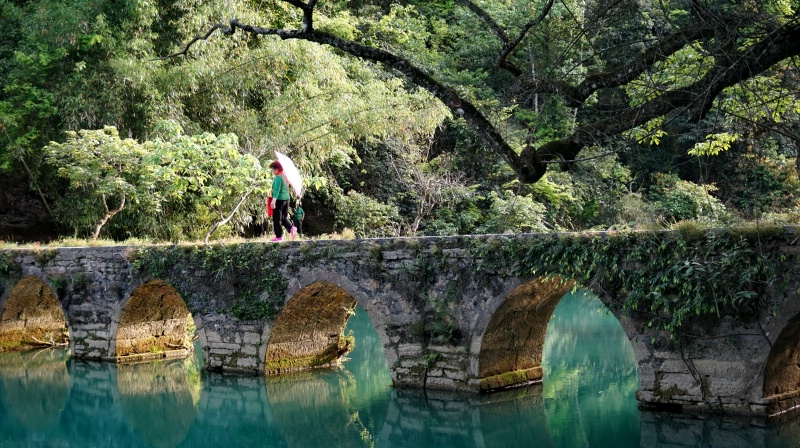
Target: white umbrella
(292,175)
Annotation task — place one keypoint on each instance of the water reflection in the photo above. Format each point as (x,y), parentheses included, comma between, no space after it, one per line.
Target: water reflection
(660,430)
(590,376)
(35,386)
(586,400)
(343,407)
(159,399)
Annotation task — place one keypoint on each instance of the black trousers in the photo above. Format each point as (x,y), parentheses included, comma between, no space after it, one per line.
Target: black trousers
(280,218)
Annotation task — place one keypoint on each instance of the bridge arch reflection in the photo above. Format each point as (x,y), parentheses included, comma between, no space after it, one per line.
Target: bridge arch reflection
(160,399)
(36,386)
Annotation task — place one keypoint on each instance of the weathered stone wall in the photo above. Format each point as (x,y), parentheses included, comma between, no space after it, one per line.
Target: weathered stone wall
(91,284)
(724,365)
(446,319)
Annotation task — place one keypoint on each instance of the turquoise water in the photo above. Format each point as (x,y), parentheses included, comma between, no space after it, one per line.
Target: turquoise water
(587,400)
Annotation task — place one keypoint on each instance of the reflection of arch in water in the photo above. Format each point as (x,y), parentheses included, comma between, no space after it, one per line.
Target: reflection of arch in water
(334,407)
(515,418)
(153,324)
(243,400)
(36,386)
(32,316)
(511,418)
(159,399)
(309,332)
(782,372)
(318,403)
(510,350)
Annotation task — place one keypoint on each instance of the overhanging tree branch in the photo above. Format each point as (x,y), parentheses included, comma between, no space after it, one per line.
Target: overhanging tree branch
(508,46)
(527,170)
(530,165)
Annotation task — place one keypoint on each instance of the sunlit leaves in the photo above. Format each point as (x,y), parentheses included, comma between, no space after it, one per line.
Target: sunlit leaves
(714,144)
(103,172)
(681,69)
(199,171)
(650,133)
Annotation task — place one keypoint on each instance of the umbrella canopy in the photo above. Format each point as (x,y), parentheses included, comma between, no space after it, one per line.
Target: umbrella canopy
(292,175)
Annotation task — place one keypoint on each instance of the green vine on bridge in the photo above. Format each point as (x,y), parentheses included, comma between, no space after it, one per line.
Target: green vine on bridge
(247,269)
(670,278)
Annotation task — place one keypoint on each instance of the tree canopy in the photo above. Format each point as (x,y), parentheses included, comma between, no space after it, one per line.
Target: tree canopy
(405,117)
(623,65)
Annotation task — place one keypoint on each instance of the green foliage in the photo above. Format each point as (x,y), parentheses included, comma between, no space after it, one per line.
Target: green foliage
(65,67)
(667,281)
(430,357)
(8,265)
(254,266)
(365,216)
(45,256)
(714,144)
(676,199)
(103,172)
(159,181)
(760,184)
(512,213)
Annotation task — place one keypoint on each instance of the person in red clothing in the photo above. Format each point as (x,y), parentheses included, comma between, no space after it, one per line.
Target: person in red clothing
(280,203)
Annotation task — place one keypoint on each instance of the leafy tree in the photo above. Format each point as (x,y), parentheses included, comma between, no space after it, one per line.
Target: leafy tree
(200,175)
(208,168)
(514,214)
(676,199)
(693,54)
(104,173)
(366,216)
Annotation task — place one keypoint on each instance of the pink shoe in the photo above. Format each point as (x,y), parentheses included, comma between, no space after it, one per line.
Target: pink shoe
(276,240)
(293,232)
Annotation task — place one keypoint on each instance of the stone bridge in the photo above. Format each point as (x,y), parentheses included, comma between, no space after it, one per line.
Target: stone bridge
(453,313)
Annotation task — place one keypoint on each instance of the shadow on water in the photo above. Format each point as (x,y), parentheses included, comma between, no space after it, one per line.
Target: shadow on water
(586,400)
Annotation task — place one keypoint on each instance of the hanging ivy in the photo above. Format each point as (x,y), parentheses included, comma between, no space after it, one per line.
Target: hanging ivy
(670,277)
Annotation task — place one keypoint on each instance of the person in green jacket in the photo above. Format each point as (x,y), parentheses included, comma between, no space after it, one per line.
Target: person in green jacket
(280,203)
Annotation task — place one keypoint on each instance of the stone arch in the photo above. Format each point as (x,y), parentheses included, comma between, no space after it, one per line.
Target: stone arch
(153,324)
(309,331)
(782,371)
(510,347)
(379,302)
(32,316)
